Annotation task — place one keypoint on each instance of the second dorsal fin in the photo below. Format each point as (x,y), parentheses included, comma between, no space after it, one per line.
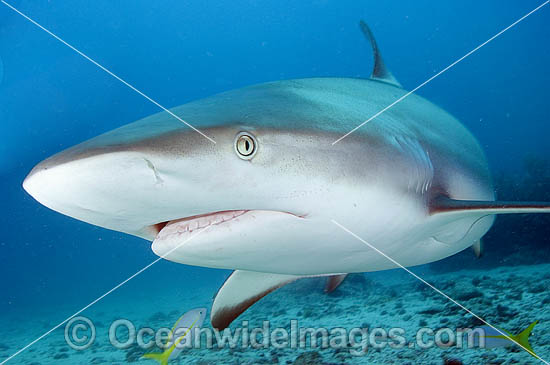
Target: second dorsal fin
(379,71)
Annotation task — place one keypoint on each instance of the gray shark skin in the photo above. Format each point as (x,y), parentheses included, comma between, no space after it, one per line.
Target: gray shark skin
(413,182)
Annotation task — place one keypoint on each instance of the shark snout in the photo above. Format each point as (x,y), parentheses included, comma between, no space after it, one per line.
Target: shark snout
(108,189)
(41,182)
(29,184)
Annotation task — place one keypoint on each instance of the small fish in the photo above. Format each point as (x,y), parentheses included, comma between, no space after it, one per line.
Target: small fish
(494,338)
(183,331)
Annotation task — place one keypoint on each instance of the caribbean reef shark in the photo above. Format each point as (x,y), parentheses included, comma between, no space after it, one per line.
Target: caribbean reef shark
(413,182)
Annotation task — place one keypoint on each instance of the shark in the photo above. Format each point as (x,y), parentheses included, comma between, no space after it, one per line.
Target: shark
(414,183)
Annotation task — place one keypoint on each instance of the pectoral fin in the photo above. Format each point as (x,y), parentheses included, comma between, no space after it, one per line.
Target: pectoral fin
(334,282)
(523,339)
(240,291)
(466,208)
(458,217)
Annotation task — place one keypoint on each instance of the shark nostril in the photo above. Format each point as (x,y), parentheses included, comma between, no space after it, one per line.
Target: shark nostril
(150,165)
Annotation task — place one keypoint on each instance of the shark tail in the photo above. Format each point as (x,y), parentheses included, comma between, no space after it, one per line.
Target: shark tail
(162,358)
(523,339)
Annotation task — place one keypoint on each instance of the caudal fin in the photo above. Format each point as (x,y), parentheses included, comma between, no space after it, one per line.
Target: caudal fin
(162,358)
(500,338)
(523,339)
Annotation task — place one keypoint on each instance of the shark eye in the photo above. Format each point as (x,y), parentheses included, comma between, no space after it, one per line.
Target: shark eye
(245,145)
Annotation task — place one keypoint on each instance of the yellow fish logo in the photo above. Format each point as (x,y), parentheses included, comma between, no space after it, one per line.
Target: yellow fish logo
(184,329)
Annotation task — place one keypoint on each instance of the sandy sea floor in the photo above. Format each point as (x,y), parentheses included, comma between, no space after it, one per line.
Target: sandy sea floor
(507,297)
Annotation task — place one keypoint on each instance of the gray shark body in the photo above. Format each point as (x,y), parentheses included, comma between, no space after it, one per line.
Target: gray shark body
(413,182)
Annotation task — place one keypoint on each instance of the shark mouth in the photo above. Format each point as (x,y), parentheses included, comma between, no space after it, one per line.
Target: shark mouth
(230,239)
(182,226)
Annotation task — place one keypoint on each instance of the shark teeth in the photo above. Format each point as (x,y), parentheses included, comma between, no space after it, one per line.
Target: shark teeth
(190,224)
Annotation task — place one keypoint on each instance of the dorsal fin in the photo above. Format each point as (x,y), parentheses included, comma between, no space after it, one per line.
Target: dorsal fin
(379,71)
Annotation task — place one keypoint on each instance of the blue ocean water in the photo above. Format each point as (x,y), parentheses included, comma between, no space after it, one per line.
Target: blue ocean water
(52,98)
